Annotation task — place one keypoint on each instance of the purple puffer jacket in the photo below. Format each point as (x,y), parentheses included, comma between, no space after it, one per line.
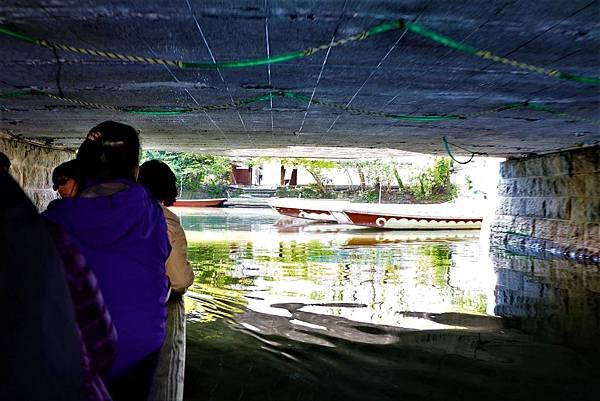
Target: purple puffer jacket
(123,238)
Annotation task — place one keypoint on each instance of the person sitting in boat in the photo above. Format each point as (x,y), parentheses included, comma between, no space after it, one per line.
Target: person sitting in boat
(121,231)
(169,376)
(67,177)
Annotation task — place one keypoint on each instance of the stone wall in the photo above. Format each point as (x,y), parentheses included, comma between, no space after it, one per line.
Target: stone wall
(32,165)
(551,204)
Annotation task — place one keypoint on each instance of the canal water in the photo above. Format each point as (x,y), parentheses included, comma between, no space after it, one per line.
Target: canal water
(285,310)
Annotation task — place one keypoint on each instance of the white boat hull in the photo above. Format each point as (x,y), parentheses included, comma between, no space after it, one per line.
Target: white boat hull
(317,210)
(388,216)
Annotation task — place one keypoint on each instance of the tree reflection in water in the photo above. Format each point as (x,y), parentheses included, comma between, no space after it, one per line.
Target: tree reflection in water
(373,316)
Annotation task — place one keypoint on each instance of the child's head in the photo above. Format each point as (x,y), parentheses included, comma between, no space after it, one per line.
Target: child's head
(160,180)
(67,177)
(110,150)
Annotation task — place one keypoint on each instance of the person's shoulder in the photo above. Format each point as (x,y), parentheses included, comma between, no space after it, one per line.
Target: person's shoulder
(137,187)
(55,206)
(141,192)
(169,214)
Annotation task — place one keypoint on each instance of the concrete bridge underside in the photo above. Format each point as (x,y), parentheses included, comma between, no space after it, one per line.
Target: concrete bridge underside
(398,72)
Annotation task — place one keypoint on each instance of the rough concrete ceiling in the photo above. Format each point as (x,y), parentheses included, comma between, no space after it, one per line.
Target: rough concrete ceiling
(395,72)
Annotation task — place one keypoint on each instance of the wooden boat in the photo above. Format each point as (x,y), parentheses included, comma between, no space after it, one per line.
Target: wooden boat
(318,210)
(389,216)
(413,221)
(216,202)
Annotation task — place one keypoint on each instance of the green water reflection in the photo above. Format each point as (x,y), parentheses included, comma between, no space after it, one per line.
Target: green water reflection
(387,273)
(281,311)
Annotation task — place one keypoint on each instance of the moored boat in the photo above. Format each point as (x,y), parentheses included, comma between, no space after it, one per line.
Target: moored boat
(318,210)
(215,202)
(413,221)
(445,216)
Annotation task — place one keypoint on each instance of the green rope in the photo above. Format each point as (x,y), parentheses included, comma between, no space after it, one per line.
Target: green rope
(297,97)
(244,63)
(17,35)
(10,95)
(441,39)
(447,147)
(541,107)
(376,30)
(453,44)
(354,110)
(579,78)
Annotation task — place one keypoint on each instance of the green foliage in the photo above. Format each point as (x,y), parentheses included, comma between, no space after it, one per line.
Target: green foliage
(397,177)
(316,168)
(210,174)
(314,164)
(434,183)
(374,173)
(469,183)
(368,196)
(258,161)
(311,191)
(215,190)
(431,185)
(195,171)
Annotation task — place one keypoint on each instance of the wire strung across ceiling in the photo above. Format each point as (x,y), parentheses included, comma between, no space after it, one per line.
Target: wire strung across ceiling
(273,59)
(166,111)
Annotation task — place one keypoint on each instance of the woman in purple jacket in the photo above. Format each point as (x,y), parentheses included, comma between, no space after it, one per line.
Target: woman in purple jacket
(121,231)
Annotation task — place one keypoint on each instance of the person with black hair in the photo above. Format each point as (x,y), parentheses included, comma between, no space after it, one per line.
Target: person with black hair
(121,231)
(162,183)
(4,162)
(169,376)
(110,157)
(67,178)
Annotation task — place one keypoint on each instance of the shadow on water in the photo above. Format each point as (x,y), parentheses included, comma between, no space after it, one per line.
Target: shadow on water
(323,313)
